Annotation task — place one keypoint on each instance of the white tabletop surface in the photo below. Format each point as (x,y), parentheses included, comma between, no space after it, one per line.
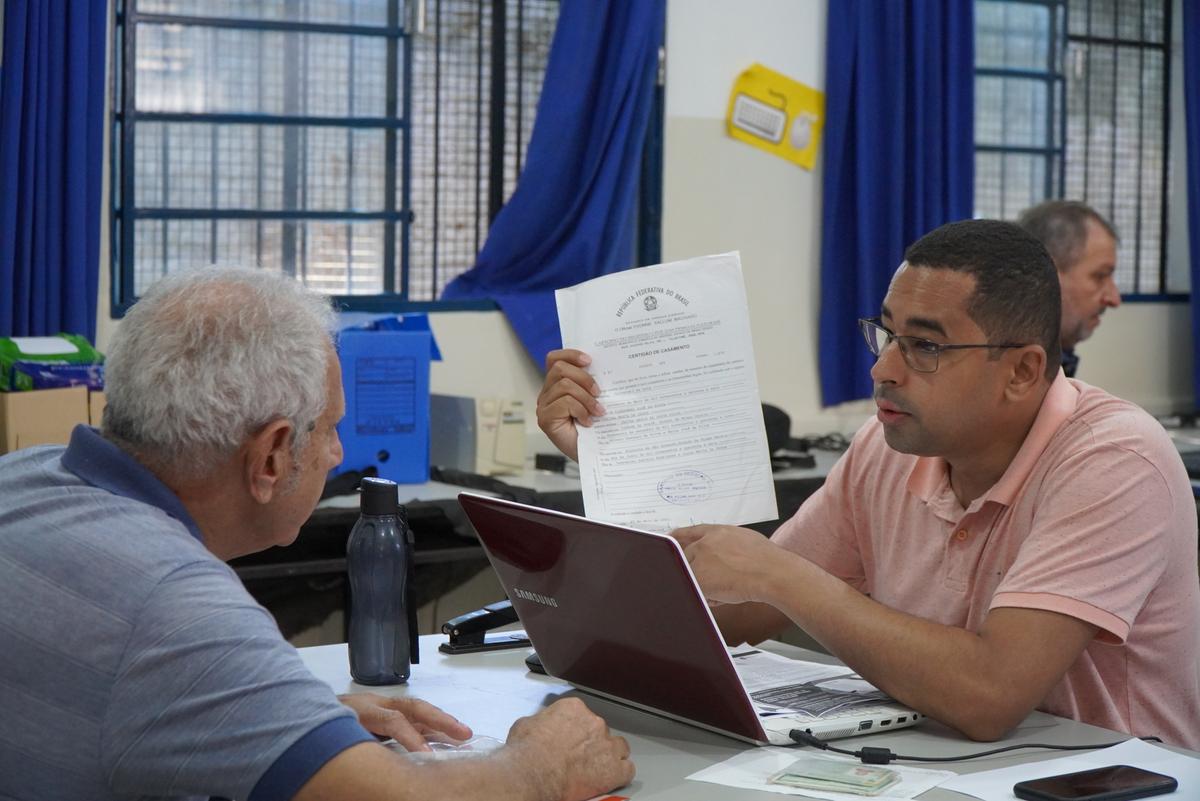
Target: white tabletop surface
(489,691)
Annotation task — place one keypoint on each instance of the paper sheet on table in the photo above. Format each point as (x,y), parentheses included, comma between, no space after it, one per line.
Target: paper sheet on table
(682,440)
(776,683)
(750,770)
(997,785)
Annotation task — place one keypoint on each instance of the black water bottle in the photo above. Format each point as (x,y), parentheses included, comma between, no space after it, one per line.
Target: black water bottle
(383,624)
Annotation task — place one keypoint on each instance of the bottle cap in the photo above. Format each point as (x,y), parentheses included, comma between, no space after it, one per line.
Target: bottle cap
(379,496)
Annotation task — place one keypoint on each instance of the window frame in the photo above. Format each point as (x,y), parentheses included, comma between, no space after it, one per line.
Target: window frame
(1165,188)
(399,32)
(394,123)
(1055,76)
(1055,80)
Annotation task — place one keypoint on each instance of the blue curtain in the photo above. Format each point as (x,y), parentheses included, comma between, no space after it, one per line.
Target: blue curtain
(51,132)
(899,159)
(572,216)
(1191,97)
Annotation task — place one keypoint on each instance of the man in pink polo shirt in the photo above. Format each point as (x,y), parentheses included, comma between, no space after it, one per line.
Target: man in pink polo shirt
(999,538)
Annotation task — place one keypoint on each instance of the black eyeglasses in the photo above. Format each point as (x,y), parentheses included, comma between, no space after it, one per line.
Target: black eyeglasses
(919,354)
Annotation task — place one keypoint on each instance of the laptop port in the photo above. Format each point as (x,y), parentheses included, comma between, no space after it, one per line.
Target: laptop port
(864,725)
(901,719)
(887,722)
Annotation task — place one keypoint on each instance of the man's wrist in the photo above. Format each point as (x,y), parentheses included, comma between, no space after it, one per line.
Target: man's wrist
(533,772)
(786,575)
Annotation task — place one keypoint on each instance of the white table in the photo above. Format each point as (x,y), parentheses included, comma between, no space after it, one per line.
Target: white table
(489,691)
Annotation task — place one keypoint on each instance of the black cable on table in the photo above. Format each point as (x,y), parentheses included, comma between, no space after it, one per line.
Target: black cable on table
(872,755)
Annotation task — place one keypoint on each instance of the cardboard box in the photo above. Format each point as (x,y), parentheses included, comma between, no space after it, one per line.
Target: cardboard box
(385,375)
(41,417)
(95,407)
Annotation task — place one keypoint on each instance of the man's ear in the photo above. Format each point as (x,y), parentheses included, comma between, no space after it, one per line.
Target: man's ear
(1029,368)
(268,462)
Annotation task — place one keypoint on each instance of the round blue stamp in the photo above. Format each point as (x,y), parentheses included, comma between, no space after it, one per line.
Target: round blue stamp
(685,487)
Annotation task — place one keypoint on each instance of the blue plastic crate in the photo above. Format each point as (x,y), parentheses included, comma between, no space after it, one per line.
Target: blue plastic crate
(386,379)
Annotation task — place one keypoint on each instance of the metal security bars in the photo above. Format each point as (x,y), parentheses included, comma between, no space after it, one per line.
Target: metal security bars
(1118,82)
(1071,101)
(478,67)
(361,145)
(261,134)
(1018,100)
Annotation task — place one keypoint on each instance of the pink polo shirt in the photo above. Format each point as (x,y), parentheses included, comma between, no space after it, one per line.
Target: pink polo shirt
(1094,519)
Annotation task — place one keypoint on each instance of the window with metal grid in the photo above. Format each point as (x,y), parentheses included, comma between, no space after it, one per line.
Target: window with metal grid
(1018,94)
(360,145)
(477,76)
(1071,102)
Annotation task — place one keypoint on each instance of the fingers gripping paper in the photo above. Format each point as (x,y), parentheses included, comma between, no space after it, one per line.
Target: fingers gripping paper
(683,440)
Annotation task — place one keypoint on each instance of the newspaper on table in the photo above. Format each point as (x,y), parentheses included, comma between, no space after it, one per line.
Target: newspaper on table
(682,441)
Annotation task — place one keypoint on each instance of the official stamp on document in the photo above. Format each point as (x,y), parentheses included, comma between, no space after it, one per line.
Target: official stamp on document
(685,487)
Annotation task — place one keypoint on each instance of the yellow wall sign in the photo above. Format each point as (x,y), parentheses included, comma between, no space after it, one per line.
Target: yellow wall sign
(771,111)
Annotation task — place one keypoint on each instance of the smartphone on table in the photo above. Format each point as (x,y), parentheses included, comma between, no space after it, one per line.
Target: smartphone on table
(1112,783)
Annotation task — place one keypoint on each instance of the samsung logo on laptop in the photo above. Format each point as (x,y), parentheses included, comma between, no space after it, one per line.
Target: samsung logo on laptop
(544,600)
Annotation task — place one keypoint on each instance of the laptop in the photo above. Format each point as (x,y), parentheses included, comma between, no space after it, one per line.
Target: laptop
(617,612)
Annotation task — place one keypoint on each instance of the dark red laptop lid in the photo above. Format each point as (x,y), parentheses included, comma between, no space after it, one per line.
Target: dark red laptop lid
(613,610)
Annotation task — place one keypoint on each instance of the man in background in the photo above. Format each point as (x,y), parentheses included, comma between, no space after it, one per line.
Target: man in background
(1083,246)
(135,664)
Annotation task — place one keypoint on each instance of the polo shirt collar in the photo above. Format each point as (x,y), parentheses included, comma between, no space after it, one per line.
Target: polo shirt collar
(930,474)
(102,464)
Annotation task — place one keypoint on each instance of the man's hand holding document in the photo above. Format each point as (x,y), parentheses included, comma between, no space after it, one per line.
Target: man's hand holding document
(680,440)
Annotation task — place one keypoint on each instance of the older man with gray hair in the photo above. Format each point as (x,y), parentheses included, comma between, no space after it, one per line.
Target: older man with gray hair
(1083,246)
(135,664)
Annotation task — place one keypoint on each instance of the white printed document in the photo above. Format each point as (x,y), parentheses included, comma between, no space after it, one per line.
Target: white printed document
(682,441)
(779,684)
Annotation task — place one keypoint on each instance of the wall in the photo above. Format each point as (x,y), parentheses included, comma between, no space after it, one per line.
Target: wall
(1143,352)
(106,325)
(723,195)
(482,355)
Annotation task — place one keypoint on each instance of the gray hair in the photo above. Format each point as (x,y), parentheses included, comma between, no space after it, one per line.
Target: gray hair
(1061,226)
(208,356)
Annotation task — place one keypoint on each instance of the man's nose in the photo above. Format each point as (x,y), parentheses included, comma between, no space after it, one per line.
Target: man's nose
(1111,296)
(889,366)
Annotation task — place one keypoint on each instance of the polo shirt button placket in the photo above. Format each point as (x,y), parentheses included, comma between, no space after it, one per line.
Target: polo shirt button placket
(958,560)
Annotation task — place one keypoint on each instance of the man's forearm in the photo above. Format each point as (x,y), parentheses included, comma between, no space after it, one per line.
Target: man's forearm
(749,622)
(370,772)
(508,773)
(948,673)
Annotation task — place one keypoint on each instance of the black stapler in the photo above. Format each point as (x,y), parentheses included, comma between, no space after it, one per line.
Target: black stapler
(468,633)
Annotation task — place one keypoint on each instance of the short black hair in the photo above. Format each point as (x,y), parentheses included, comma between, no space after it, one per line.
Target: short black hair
(1061,225)
(1017,297)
